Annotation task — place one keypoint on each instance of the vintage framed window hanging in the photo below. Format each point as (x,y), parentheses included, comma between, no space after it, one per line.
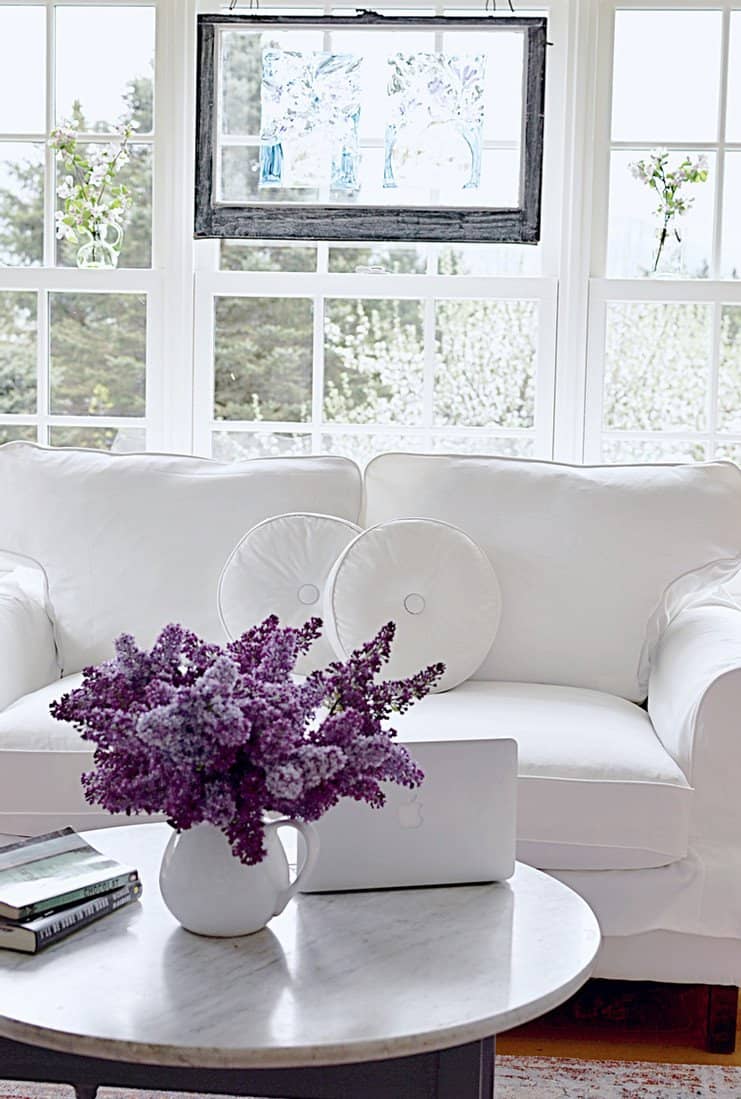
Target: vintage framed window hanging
(370,127)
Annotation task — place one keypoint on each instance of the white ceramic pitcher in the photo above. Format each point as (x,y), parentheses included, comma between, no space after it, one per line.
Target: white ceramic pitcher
(210,892)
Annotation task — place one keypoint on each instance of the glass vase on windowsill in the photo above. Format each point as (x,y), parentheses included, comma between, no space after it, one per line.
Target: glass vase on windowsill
(100,246)
(669,260)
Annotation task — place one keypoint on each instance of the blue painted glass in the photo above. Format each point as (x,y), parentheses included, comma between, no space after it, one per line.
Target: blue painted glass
(436,119)
(310,112)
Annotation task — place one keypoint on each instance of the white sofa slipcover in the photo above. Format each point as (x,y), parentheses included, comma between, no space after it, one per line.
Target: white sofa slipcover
(584,554)
(597,789)
(584,557)
(29,658)
(133,541)
(584,756)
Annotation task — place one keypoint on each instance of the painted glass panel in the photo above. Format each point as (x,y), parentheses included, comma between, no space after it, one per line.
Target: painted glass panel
(309,125)
(436,118)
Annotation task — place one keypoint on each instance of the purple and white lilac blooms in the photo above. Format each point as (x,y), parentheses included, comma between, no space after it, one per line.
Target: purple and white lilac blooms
(202,733)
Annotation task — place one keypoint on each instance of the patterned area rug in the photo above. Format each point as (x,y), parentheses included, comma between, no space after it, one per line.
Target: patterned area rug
(564,1078)
(522,1078)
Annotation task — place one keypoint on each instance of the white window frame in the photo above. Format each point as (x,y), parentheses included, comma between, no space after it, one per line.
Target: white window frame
(150,282)
(603,291)
(425,288)
(210,283)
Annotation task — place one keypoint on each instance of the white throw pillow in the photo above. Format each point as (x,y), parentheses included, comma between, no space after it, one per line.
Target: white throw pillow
(280,567)
(429,578)
(584,554)
(130,542)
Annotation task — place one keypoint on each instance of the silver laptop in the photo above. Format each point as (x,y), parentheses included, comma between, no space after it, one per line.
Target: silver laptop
(458,826)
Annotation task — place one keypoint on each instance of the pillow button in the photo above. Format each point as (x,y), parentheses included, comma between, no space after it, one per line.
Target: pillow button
(308,594)
(414,603)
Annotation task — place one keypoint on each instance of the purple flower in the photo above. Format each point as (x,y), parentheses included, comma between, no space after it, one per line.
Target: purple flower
(225,735)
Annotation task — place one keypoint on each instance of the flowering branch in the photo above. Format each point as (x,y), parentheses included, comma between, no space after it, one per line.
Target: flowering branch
(655,172)
(92,198)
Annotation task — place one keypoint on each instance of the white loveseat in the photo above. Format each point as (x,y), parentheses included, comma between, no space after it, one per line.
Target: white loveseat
(617,664)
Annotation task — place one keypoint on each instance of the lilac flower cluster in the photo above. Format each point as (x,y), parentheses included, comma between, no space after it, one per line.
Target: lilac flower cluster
(203,733)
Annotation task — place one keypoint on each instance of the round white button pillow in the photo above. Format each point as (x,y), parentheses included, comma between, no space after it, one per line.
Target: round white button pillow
(428,577)
(280,567)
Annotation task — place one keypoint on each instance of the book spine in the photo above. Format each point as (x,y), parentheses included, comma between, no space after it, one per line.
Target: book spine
(65,923)
(63,900)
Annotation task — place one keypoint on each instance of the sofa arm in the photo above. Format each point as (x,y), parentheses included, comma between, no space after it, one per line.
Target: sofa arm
(694,701)
(28,655)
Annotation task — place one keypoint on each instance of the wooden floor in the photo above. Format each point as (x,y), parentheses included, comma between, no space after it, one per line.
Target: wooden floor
(548,1037)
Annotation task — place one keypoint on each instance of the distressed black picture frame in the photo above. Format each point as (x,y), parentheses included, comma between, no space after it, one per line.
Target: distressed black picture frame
(284,221)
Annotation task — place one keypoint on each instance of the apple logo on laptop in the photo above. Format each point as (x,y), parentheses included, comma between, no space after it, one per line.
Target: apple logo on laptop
(410,813)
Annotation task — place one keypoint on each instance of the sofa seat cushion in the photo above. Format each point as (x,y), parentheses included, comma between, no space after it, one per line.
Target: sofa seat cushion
(597,790)
(41,761)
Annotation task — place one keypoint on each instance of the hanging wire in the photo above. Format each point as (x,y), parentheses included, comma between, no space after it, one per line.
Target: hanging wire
(254,4)
(491,5)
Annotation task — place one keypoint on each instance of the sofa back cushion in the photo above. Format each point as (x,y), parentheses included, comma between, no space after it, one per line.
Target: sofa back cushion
(584,554)
(130,542)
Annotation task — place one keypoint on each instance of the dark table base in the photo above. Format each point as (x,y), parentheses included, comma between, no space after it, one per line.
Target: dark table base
(464,1072)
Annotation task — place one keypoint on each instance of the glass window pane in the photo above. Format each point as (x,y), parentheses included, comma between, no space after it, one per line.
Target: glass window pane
(21,204)
(730,264)
(231,446)
(136,248)
(635,225)
(361,448)
(733,120)
(17,352)
(729,377)
(489,259)
(241,74)
(22,69)
(119,440)
(263,358)
(98,354)
(519,446)
(730,451)
(503,61)
(485,369)
(629,451)
(666,75)
(10,432)
(104,65)
(373,361)
(239,255)
(657,366)
(380,259)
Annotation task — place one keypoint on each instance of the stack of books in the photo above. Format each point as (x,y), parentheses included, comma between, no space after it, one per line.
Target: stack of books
(54,884)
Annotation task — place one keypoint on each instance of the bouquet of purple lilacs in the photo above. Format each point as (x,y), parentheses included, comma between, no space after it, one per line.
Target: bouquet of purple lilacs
(223,735)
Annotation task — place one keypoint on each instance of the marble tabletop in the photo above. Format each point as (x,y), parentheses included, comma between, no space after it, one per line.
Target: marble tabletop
(337,978)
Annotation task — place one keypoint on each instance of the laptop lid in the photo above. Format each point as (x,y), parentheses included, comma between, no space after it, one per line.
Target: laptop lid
(457,827)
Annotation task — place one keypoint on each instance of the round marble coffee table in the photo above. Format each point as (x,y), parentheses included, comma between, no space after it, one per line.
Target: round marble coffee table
(394,994)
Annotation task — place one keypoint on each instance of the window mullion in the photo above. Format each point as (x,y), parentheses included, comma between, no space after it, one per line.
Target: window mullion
(50,240)
(317,373)
(721,154)
(429,352)
(43,361)
(712,407)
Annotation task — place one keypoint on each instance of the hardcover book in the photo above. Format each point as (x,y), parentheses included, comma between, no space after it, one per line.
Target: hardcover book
(41,874)
(34,935)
